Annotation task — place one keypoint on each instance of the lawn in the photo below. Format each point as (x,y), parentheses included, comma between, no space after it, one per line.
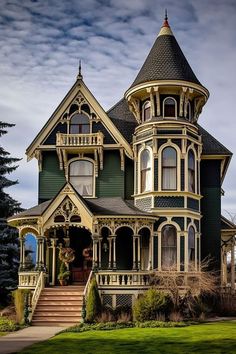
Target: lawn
(210,338)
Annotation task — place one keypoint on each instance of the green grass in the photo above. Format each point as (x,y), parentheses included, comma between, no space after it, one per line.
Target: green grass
(210,338)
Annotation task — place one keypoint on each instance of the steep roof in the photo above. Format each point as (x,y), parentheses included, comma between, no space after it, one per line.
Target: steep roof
(123,119)
(211,146)
(165,61)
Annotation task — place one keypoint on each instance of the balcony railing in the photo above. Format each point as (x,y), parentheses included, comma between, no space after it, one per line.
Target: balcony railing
(28,280)
(94,139)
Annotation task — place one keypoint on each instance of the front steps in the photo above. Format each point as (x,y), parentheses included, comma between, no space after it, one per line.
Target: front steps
(59,306)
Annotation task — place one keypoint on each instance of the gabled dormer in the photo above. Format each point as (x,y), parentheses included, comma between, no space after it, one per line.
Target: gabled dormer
(74,144)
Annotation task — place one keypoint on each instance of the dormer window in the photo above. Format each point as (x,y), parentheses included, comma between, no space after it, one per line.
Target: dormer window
(169,107)
(79,124)
(146,111)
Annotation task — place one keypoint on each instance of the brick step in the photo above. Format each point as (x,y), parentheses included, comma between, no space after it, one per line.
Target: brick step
(61,297)
(60,302)
(61,319)
(58,308)
(56,314)
(50,324)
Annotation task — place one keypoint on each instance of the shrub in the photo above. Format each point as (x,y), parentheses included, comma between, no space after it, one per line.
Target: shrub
(176,316)
(150,305)
(227,305)
(19,298)
(93,304)
(7,325)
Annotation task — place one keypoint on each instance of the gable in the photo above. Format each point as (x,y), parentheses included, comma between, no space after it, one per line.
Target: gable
(79,94)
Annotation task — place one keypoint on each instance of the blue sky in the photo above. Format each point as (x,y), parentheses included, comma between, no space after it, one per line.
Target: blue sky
(42,41)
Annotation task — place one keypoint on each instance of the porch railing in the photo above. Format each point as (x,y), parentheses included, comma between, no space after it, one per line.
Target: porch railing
(37,291)
(85,293)
(125,278)
(28,280)
(93,139)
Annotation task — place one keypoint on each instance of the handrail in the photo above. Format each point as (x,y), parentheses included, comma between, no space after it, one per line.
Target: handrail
(37,291)
(87,285)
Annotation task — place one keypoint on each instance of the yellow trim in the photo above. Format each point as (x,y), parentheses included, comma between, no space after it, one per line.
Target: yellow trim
(79,86)
(161,83)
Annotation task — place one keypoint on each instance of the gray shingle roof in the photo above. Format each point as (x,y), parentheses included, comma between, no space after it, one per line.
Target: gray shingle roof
(36,210)
(165,61)
(211,146)
(123,119)
(113,206)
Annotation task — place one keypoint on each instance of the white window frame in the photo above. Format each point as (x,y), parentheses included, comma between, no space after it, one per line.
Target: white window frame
(163,108)
(94,179)
(139,169)
(146,104)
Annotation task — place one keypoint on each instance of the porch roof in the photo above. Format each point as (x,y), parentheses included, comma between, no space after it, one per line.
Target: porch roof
(36,210)
(227,224)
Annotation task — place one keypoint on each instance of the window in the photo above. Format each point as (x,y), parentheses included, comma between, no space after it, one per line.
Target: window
(81,175)
(191,171)
(191,246)
(169,107)
(189,111)
(168,247)
(145,171)
(79,124)
(169,169)
(146,111)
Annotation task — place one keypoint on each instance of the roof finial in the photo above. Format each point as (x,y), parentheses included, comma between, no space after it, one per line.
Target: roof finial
(80,76)
(166,16)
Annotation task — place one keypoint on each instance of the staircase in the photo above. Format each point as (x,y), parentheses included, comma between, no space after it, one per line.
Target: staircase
(59,306)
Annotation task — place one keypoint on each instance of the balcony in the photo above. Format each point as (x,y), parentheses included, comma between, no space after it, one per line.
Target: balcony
(79,140)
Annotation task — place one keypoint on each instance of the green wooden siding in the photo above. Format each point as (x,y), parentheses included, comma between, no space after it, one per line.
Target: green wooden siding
(129,178)
(211,210)
(51,178)
(110,181)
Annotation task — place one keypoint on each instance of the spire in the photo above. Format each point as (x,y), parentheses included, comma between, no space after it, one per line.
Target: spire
(80,76)
(165,29)
(166,60)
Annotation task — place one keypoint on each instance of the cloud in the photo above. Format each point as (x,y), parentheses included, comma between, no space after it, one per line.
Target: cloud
(41,43)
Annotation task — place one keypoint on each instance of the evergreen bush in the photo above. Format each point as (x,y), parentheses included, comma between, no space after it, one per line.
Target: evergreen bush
(93,304)
(7,325)
(150,304)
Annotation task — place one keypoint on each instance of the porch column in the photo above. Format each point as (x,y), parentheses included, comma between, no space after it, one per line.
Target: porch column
(114,251)
(54,242)
(139,252)
(95,250)
(134,252)
(37,254)
(110,250)
(41,253)
(22,251)
(99,252)
(233,266)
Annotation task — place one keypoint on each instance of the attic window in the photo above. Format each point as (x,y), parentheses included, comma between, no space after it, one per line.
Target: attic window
(169,107)
(79,124)
(146,111)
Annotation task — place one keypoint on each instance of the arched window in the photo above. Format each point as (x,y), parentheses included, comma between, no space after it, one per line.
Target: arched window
(168,247)
(169,107)
(79,124)
(81,176)
(146,111)
(189,113)
(169,169)
(191,171)
(191,246)
(145,171)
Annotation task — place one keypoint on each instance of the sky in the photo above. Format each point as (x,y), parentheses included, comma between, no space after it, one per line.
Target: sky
(41,42)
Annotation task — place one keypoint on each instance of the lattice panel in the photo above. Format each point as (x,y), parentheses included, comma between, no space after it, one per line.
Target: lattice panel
(123,300)
(107,300)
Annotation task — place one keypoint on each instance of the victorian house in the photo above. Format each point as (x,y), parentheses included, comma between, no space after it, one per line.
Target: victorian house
(130,190)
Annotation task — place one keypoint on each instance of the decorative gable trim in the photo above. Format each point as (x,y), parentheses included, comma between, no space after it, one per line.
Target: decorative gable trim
(78,91)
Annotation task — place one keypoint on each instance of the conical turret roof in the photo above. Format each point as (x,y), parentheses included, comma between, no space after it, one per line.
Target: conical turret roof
(165,61)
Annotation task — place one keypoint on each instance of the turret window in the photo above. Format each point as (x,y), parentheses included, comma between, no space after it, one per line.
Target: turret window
(79,124)
(169,169)
(191,172)
(169,107)
(145,171)
(81,176)
(189,115)
(146,111)
(168,247)
(191,245)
